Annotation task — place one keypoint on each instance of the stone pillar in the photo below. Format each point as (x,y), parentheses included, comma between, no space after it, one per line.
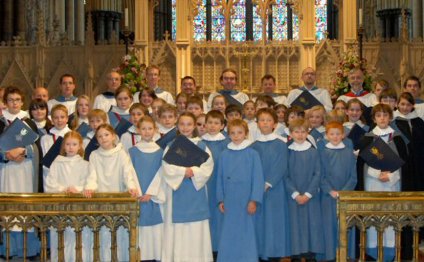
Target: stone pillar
(100,27)
(116,24)
(60,14)
(21,28)
(8,20)
(307,35)
(70,19)
(417,19)
(80,19)
(349,23)
(183,41)
(109,25)
(143,15)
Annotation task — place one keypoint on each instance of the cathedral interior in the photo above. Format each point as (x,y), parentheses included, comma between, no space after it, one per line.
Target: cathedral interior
(41,40)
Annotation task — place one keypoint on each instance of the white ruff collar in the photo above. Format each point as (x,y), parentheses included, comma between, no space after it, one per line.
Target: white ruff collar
(340,145)
(217,137)
(300,147)
(240,146)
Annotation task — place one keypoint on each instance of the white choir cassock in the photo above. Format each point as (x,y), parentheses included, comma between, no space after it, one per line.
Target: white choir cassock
(191,240)
(321,94)
(112,171)
(66,172)
(69,103)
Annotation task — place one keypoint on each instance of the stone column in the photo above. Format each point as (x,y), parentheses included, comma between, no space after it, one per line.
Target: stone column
(21,28)
(80,22)
(116,24)
(70,19)
(8,20)
(109,25)
(143,15)
(307,35)
(417,19)
(100,27)
(349,23)
(183,41)
(60,14)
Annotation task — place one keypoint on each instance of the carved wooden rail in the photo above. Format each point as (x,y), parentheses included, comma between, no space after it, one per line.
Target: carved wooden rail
(380,210)
(41,211)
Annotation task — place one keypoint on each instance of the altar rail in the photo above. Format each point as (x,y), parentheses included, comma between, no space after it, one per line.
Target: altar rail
(380,210)
(41,211)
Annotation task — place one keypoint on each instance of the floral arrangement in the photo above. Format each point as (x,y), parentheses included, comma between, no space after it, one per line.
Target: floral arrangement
(132,73)
(350,61)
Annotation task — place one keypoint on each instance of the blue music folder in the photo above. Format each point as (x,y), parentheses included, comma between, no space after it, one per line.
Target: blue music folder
(83,129)
(17,134)
(53,152)
(185,153)
(380,156)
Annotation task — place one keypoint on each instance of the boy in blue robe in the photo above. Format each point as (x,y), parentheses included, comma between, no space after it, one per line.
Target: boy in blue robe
(302,185)
(146,157)
(240,188)
(272,221)
(338,168)
(216,142)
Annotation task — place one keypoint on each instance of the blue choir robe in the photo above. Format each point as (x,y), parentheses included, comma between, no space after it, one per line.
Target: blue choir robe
(338,171)
(147,160)
(272,221)
(317,133)
(115,114)
(216,144)
(304,178)
(240,180)
(186,215)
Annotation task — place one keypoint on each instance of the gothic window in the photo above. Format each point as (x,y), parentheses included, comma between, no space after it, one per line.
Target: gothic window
(246,24)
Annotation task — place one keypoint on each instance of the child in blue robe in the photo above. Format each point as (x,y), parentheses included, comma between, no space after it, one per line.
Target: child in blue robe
(124,100)
(240,188)
(216,142)
(338,165)
(273,218)
(146,157)
(315,117)
(186,218)
(302,185)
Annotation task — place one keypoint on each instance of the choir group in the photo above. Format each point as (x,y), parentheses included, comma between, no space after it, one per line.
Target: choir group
(227,179)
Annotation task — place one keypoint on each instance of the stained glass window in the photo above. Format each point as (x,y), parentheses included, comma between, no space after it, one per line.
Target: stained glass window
(279,20)
(199,23)
(238,22)
(174,20)
(320,18)
(218,22)
(295,27)
(257,25)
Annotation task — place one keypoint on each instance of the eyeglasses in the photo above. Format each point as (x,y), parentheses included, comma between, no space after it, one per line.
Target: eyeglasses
(11,100)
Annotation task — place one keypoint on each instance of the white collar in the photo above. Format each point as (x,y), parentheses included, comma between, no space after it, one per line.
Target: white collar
(90,134)
(340,145)
(320,129)
(164,130)
(240,146)
(300,147)
(409,116)
(10,117)
(248,121)
(109,152)
(132,129)
(351,124)
(269,137)
(62,159)
(60,132)
(40,124)
(217,137)
(120,111)
(147,147)
(381,132)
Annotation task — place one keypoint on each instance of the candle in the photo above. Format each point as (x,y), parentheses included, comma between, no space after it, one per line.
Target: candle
(126,17)
(360,16)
